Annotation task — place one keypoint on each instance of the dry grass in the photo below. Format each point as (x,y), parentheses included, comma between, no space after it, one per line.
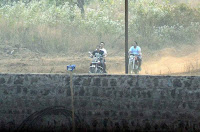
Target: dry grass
(180,61)
(165,65)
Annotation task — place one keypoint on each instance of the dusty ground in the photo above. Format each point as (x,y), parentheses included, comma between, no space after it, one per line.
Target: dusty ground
(181,61)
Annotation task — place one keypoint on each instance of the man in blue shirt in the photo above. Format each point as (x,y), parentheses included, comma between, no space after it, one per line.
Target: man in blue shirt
(135,49)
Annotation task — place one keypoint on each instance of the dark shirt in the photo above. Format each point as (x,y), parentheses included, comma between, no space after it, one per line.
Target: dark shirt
(98,52)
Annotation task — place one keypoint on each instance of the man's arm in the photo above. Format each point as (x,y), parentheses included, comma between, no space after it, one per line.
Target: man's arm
(93,53)
(139,51)
(130,50)
(105,53)
(102,52)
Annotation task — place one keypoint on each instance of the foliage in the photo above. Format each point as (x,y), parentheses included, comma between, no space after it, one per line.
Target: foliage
(158,25)
(46,26)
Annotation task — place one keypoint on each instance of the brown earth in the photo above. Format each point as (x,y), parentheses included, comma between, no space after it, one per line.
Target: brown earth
(179,61)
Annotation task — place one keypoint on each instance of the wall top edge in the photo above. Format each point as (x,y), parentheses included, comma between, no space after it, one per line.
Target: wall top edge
(101,75)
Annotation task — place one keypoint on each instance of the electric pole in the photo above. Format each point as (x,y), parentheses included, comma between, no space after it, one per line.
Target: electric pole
(126,36)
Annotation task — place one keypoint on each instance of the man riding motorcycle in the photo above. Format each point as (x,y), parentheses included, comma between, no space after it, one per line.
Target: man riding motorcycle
(96,53)
(135,49)
(102,44)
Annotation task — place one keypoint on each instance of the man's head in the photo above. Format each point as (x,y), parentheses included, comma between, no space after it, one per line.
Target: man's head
(102,44)
(98,47)
(135,44)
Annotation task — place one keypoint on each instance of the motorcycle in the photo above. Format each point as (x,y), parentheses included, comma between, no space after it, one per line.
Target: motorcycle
(96,65)
(133,64)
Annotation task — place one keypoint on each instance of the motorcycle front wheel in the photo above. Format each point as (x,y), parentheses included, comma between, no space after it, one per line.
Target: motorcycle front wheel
(99,70)
(92,70)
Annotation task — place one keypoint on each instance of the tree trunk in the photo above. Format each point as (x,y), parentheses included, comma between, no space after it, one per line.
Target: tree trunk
(80,4)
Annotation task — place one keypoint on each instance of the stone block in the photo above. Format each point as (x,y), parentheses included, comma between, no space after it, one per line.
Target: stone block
(97,82)
(18,90)
(113,82)
(177,83)
(86,81)
(81,91)
(95,92)
(105,82)
(77,81)
(19,80)
(2,81)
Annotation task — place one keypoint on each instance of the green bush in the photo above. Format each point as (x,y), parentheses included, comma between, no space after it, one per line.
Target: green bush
(157,25)
(48,27)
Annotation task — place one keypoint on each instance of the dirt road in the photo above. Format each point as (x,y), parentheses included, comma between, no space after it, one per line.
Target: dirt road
(167,62)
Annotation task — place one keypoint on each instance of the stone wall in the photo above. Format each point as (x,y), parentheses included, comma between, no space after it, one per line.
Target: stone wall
(102,102)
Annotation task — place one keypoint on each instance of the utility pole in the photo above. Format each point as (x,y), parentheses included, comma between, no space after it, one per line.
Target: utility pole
(126,36)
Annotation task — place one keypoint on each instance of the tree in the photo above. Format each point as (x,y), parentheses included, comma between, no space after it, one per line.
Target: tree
(80,4)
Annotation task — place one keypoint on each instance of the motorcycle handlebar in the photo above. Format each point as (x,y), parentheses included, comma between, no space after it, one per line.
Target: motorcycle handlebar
(134,54)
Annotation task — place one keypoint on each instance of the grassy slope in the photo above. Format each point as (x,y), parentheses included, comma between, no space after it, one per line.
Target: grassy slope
(45,48)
